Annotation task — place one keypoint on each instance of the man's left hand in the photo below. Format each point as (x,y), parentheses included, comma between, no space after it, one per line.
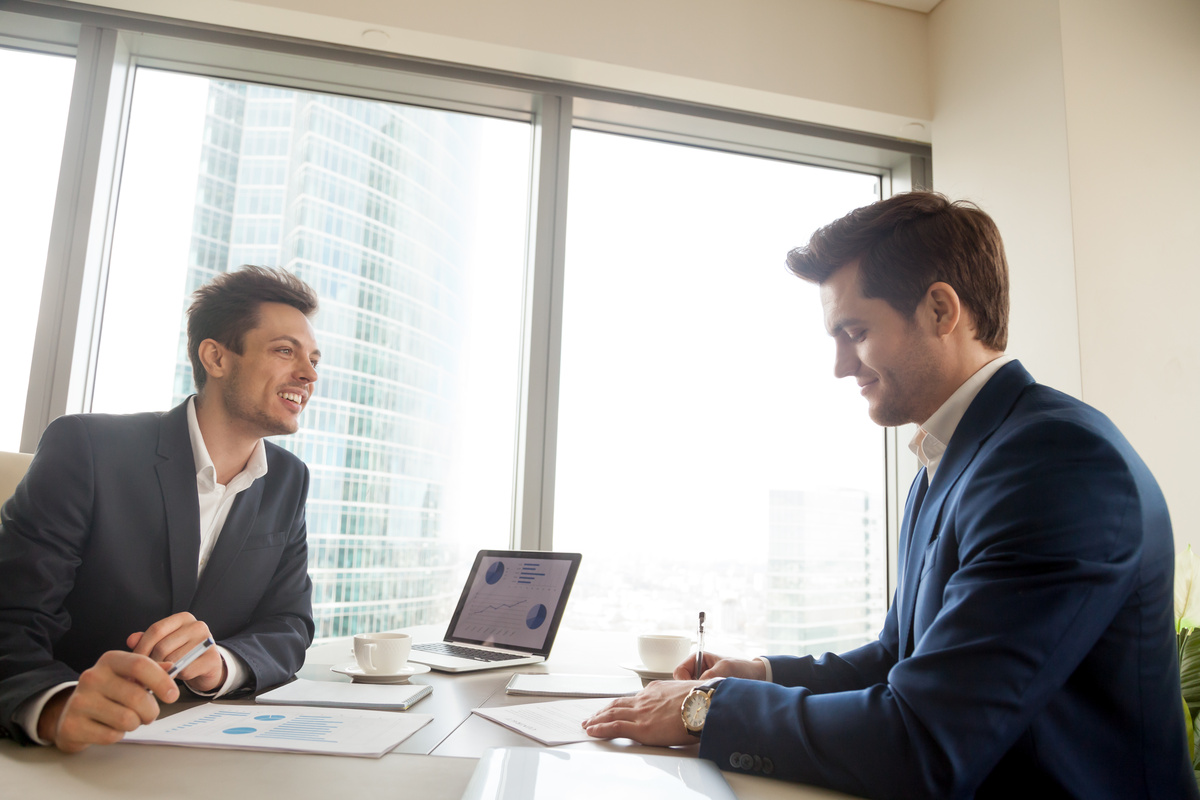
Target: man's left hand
(652,716)
(171,638)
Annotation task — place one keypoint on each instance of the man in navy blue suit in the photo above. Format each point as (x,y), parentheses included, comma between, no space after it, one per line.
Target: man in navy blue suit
(1030,646)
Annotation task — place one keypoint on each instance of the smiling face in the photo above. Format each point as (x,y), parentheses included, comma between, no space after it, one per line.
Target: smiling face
(895,360)
(264,389)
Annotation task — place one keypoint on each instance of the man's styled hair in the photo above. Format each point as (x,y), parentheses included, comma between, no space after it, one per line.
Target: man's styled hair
(910,241)
(226,308)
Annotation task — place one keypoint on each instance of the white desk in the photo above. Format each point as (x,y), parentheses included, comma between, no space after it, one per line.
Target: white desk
(433,764)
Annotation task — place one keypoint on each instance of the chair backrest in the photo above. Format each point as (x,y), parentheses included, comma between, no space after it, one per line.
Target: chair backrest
(12,469)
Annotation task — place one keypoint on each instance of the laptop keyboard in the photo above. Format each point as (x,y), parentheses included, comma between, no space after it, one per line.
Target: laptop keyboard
(446,649)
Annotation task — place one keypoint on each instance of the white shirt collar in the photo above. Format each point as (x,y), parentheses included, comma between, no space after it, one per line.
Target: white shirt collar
(932,438)
(206,472)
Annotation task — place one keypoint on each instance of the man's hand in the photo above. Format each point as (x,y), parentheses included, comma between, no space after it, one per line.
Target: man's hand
(170,639)
(716,666)
(110,700)
(652,716)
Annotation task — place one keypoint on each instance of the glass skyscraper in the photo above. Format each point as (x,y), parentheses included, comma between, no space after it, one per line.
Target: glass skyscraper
(363,200)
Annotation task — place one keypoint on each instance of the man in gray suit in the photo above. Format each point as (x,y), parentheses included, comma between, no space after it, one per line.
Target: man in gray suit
(133,538)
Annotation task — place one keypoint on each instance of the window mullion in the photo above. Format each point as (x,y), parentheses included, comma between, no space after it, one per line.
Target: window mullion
(533,506)
(72,292)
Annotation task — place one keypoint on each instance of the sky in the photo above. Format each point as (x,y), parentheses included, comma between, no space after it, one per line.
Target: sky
(34,88)
(696,372)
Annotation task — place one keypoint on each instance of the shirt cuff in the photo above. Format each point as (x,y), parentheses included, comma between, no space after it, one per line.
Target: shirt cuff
(30,711)
(767,664)
(236,673)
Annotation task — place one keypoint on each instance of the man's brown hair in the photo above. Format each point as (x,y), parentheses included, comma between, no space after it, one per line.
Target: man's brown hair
(910,241)
(227,308)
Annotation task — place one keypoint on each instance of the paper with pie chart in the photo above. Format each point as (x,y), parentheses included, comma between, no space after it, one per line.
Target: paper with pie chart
(512,600)
(340,731)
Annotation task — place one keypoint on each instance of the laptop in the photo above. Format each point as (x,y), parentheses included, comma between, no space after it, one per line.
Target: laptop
(508,613)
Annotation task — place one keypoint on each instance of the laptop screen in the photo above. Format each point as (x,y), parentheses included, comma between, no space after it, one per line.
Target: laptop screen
(514,599)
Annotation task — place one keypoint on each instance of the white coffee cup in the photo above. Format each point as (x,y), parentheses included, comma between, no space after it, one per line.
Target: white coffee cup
(382,653)
(663,652)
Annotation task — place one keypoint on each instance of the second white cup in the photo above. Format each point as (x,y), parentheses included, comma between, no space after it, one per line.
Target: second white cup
(661,652)
(382,653)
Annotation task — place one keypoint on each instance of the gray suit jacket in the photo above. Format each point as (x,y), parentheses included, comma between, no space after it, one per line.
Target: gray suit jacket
(102,539)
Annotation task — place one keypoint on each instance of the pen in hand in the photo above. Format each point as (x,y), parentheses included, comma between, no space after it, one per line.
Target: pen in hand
(189,657)
(699,648)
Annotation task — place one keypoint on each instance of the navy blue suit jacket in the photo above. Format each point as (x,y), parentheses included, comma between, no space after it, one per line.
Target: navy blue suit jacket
(102,539)
(1030,646)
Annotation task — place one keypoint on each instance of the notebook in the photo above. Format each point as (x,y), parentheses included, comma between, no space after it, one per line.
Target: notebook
(554,685)
(389,697)
(508,613)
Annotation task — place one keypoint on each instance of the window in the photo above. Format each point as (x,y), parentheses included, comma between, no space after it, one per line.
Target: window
(645,384)
(707,458)
(409,223)
(35,90)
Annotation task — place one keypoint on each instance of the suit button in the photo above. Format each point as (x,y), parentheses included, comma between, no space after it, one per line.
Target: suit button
(746,762)
(768,766)
(758,764)
(735,760)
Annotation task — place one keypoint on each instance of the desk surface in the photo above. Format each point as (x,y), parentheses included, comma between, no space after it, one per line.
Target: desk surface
(433,764)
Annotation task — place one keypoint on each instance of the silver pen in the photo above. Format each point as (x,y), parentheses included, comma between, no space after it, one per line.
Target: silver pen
(191,656)
(699,648)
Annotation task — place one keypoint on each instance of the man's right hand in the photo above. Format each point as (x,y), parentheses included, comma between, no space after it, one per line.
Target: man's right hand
(110,700)
(716,666)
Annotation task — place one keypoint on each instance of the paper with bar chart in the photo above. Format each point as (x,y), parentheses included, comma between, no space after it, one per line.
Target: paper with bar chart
(340,731)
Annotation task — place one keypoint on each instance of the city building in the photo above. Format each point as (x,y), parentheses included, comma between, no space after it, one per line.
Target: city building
(826,571)
(361,200)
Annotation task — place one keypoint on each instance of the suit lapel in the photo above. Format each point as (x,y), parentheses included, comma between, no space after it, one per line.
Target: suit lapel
(986,412)
(232,537)
(177,480)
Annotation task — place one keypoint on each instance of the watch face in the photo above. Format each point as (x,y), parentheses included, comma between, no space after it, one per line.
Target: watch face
(695,709)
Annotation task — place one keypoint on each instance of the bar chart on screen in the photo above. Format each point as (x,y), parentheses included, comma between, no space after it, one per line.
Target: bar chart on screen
(512,600)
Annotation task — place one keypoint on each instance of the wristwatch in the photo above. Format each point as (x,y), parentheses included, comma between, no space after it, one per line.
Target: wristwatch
(696,704)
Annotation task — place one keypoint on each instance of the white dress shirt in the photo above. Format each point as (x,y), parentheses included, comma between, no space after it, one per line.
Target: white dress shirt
(932,438)
(215,503)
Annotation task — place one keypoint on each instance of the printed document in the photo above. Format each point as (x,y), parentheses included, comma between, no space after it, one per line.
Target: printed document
(341,731)
(556,722)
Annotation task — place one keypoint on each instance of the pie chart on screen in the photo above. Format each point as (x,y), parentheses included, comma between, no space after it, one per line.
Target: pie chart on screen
(495,572)
(535,617)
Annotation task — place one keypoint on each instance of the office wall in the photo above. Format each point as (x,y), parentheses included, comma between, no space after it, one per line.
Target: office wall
(1075,123)
(1132,77)
(845,63)
(1000,139)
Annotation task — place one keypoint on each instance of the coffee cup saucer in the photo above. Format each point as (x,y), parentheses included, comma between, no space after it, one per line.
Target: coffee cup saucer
(647,674)
(359,675)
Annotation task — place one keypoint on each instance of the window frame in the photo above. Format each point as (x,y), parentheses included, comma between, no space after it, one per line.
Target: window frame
(109,46)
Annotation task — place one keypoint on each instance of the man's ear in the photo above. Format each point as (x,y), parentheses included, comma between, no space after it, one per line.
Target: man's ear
(944,306)
(215,357)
